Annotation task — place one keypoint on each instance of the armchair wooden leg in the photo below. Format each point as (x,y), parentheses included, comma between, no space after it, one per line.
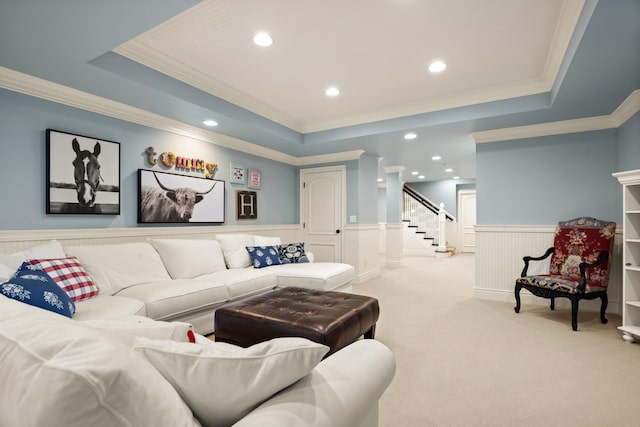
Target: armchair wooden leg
(574,313)
(517,292)
(603,307)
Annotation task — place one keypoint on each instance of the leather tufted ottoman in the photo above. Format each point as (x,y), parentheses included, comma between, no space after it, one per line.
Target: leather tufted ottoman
(334,319)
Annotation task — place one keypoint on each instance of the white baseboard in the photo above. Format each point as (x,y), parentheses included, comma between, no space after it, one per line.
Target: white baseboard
(364,277)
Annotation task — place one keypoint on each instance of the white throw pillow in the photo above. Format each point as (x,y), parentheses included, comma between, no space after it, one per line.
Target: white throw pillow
(189,258)
(234,249)
(56,371)
(266,241)
(118,266)
(221,382)
(9,265)
(128,328)
(51,249)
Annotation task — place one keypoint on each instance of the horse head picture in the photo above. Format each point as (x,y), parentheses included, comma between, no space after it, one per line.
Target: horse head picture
(83,174)
(86,173)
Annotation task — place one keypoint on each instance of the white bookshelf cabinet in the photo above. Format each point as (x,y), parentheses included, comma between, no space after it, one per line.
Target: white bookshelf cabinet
(630,181)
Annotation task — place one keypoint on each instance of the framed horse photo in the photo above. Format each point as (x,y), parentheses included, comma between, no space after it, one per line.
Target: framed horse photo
(83,174)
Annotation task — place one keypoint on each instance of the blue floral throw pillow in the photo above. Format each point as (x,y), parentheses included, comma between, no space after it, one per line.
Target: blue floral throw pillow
(292,253)
(37,288)
(263,256)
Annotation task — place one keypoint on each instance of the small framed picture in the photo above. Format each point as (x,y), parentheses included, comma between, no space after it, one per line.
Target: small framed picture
(83,174)
(237,173)
(246,205)
(253,179)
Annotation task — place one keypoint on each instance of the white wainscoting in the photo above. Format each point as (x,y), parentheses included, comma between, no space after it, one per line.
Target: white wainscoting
(499,253)
(18,240)
(360,249)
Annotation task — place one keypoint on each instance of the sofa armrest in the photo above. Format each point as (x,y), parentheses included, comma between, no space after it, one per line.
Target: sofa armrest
(343,390)
(310,256)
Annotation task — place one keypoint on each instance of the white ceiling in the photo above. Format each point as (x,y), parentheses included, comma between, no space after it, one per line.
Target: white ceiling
(375,51)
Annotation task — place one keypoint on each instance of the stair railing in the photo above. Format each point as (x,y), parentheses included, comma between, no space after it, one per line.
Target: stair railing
(423,215)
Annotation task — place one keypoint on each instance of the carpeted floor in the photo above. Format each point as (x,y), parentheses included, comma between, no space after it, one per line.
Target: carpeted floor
(463,361)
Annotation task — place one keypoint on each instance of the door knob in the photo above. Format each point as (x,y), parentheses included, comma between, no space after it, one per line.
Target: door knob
(337,231)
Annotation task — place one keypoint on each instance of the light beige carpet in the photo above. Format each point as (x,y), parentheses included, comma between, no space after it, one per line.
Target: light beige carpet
(463,361)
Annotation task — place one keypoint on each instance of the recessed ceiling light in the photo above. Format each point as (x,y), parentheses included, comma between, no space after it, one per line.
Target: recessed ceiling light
(262,39)
(379,179)
(414,173)
(410,136)
(456,177)
(421,177)
(210,122)
(436,158)
(448,170)
(437,66)
(332,91)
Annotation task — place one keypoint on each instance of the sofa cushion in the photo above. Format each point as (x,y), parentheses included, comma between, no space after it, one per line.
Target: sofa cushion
(242,282)
(35,287)
(266,241)
(167,299)
(69,275)
(234,249)
(292,253)
(118,266)
(57,371)
(127,329)
(108,307)
(50,249)
(263,256)
(10,263)
(324,276)
(222,382)
(187,258)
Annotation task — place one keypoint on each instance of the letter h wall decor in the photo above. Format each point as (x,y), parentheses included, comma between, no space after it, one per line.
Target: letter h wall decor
(246,204)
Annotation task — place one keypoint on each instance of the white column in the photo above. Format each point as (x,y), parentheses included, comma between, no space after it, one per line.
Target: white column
(441,252)
(394,228)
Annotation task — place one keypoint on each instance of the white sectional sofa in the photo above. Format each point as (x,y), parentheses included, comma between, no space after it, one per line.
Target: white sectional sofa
(91,370)
(187,279)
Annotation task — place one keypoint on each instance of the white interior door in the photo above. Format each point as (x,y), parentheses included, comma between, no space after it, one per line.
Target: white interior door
(322,211)
(467,216)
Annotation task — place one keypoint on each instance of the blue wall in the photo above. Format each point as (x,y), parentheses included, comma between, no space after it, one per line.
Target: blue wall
(24,120)
(629,144)
(367,189)
(539,181)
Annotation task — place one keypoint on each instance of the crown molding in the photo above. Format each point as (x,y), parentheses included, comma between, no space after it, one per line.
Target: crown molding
(567,24)
(44,89)
(393,169)
(492,94)
(149,57)
(627,109)
(328,158)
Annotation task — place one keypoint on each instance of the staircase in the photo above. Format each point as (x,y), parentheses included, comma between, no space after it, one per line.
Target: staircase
(422,224)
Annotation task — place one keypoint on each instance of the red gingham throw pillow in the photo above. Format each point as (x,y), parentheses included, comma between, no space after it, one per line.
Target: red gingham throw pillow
(69,274)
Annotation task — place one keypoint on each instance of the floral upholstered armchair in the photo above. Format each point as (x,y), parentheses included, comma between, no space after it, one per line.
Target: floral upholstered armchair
(578,268)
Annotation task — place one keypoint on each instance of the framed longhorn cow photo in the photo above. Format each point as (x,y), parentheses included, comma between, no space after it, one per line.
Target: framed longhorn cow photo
(171,198)
(83,174)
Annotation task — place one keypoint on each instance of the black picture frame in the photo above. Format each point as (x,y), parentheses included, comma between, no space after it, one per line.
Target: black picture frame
(246,204)
(158,205)
(83,174)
